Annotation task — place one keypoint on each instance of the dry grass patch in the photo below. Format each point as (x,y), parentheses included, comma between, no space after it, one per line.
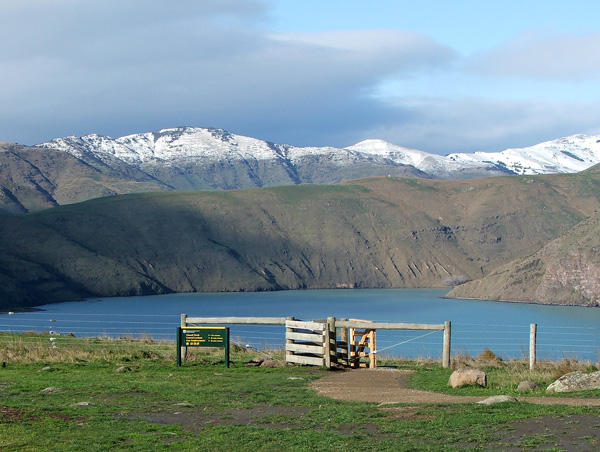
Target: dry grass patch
(46,348)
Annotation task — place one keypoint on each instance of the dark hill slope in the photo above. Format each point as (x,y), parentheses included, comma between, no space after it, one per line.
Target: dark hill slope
(381,232)
(33,179)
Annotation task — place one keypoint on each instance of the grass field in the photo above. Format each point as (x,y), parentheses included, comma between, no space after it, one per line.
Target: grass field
(101,394)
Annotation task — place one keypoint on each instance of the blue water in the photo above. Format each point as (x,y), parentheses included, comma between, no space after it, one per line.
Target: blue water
(572,332)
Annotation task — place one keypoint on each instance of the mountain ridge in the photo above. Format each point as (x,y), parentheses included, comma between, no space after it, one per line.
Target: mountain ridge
(184,144)
(73,169)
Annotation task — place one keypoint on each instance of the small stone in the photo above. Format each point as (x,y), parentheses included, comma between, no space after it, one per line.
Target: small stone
(45,369)
(84,404)
(272,363)
(497,399)
(185,404)
(124,369)
(527,385)
(50,390)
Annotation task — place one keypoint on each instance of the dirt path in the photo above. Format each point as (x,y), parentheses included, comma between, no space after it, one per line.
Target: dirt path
(391,386)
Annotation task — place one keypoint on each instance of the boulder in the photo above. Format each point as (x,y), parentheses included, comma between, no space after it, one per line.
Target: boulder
(576,381)
(497,399)
(527,385)
(467,377)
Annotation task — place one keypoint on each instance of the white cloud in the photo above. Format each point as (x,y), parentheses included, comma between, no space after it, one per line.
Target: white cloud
(446,125)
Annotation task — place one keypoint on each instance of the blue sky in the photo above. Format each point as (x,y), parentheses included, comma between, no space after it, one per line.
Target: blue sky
(440,76)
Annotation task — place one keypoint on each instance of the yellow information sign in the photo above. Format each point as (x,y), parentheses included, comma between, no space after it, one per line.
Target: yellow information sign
(203,336)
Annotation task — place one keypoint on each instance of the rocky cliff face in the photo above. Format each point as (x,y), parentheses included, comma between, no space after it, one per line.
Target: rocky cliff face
(571,279)
(564,272)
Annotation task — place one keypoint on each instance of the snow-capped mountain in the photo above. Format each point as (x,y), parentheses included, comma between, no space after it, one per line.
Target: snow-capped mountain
(199,158)
(207,158)
(564,155)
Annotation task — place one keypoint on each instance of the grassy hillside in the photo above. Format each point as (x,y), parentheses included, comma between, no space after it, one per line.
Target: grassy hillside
(379,232)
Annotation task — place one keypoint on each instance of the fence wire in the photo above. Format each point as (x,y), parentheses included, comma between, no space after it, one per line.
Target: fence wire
(506,341)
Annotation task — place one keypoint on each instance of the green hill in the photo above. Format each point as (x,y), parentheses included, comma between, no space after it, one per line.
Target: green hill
(379,232)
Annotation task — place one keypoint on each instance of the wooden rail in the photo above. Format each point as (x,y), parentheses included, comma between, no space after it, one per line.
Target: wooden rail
(185,320)
(387,325)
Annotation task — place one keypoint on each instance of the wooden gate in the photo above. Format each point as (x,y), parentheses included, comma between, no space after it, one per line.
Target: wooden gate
(360,341)
(307,343)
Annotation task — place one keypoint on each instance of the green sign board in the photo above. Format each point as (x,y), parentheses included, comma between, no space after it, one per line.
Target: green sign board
(203,336)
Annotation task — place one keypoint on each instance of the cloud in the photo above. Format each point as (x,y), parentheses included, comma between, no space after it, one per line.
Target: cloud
(447,125)
(543,56)
(113,66)
(118,67)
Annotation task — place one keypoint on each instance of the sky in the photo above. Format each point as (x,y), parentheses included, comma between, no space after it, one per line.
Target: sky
(436,75)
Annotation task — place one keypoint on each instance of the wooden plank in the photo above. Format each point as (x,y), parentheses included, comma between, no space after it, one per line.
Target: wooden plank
(298,324)
(305,348)
(308,337)
(310,360)
(237,320)
(387,325)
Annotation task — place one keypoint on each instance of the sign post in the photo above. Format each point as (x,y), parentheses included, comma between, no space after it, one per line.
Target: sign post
(203,336)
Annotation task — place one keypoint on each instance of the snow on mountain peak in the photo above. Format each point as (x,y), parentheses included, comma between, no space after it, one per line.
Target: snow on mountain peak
(563,155)
(397,153)
(196,145)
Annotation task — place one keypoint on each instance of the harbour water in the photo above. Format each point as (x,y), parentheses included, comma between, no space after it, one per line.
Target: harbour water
(563,332)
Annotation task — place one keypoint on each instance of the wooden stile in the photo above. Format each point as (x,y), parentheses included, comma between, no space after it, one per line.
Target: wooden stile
(307,343)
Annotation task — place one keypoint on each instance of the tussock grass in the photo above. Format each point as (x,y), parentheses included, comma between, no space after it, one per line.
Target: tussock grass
(46,348)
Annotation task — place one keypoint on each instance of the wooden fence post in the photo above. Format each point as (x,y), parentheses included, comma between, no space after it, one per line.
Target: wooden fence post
(447,337)
(183,350)
(332,341)
(532,345)
(289,330)
(373,349)
(343,345)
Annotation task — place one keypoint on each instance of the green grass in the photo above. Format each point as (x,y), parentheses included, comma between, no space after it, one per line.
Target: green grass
(201,405)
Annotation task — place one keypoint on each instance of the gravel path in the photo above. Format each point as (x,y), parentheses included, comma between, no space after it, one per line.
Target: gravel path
(391,386)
